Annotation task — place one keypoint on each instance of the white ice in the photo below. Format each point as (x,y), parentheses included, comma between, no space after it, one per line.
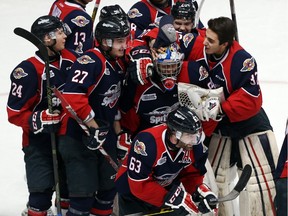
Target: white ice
(262,26)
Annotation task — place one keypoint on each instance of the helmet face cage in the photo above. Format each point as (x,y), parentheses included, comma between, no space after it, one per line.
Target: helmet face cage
(169,63)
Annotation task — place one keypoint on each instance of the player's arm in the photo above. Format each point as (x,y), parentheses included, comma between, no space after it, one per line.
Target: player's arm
(246,99)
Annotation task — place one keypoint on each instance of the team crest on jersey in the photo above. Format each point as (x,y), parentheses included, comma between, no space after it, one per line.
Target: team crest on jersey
(85,59)
(133,13)
(203,73)
(18,73)
(112,95)
(140,148)
(149,97)
(187,38)
(248,65)
(80,21)
(51,75)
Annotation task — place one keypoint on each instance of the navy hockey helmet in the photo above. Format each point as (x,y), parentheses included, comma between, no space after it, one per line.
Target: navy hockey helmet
(183,10)
(113,10)
(110,28)
(184,120)
(47,25)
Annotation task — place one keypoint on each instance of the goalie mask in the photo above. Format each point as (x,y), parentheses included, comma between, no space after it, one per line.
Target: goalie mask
(187,128)
(168,65)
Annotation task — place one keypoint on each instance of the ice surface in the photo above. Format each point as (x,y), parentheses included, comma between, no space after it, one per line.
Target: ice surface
(262,26)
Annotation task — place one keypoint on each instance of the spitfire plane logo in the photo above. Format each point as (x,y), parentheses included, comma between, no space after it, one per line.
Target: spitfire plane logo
(202,73)
(248,65)
(111,96)
(187,38)
(140,148)
(80,21)
(133,13)
(18,73)
(85,59)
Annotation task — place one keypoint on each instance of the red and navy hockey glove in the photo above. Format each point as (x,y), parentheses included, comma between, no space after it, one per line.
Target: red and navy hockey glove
(97,136)
(44,122)
(123,144)
(206,198)
(178,198)
(141,65)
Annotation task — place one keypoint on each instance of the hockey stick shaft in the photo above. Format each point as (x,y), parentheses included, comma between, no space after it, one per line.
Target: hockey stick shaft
(233,15)
(67,106)
(197,17)
(44,52)
(95,9)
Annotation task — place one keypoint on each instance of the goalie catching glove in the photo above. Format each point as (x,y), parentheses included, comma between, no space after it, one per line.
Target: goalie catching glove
(141,65)
(178,198)
(208,201)
(44,122)
(97,136)
(123,144)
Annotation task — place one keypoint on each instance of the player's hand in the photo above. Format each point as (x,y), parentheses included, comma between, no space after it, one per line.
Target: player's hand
(141,65)
(97,136)
(206,198)
(123,144)
(44,122)
(178,198)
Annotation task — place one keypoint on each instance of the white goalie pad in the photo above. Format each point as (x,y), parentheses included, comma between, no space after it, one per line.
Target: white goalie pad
(204,102)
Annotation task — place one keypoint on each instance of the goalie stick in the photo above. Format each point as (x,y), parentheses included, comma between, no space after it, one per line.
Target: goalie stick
(44,53)
(242,182)
(65,104)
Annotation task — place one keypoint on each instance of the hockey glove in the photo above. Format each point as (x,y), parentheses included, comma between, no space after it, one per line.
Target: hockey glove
(212,109)
(206,198)
(44,122)
(123,144)
(141,65)
(97,136)
(178,198)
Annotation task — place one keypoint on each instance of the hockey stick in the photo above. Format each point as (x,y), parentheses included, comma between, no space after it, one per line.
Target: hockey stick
(65,104)
(95,9)
(242,182)
(43,51)
(233,15)
(197,17)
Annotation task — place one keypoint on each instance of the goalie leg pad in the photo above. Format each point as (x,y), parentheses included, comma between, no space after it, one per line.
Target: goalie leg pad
(219,156)
(261,152)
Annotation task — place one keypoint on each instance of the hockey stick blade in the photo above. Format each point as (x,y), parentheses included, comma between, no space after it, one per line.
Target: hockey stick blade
(33,39)
(242,182)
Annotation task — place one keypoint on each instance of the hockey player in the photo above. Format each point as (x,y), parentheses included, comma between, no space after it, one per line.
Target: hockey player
(165,168)
(27,108)
(146,14)
(80,22)
(244,134)
(93,89)
(149,104)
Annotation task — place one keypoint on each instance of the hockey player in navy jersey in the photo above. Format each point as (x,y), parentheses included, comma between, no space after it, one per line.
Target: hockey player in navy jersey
(80,22)
(165,167)
(146,14)
(244,135)
(27,107)
(93,89)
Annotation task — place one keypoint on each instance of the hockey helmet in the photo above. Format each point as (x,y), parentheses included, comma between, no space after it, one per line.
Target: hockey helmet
(47,25)
(186,126)
(113,10)
(183,10)
(110,28)
(168,65)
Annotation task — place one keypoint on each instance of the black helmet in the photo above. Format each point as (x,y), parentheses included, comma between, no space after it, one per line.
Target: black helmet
(183,10)
(110,28)
(184,120)
(113,10)
(46,24)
